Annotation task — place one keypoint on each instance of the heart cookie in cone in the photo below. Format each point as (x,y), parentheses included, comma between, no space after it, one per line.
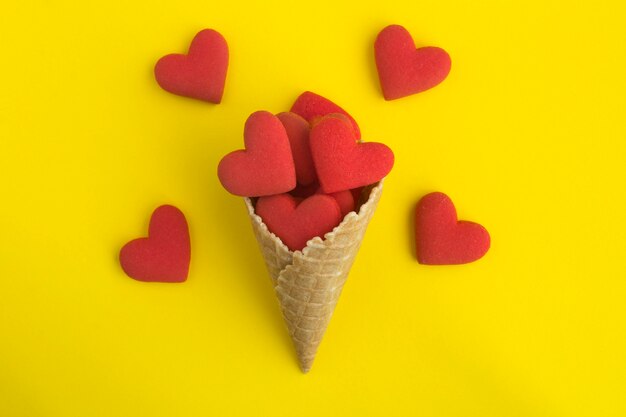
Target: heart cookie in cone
(308,282)
(307,240)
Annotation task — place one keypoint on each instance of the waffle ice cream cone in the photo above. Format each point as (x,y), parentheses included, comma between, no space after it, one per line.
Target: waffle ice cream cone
(308,282)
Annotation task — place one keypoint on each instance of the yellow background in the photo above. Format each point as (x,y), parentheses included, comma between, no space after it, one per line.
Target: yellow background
(527,136)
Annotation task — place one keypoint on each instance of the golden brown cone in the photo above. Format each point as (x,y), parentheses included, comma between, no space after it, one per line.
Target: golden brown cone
(308,282)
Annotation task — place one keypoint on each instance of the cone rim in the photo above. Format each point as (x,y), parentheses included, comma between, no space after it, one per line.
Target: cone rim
(375,189)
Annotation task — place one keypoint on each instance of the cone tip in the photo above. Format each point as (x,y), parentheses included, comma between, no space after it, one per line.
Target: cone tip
(306,363)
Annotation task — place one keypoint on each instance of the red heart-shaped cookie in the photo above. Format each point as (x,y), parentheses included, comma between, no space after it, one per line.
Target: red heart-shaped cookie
(297,129)
(296,223)
(266,166)
(404,70)
(443,240)
(164,255)
(341,162)
(312,106)
(201,73)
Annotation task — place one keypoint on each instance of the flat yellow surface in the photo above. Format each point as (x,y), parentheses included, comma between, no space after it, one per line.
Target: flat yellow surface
(527,136)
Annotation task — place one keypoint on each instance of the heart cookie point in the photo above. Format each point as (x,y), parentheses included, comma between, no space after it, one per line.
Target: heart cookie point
(201,74)
(165,254)
(403,69)
(441,239)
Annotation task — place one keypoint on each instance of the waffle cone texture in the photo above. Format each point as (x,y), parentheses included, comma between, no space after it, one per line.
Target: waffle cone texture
(308,283)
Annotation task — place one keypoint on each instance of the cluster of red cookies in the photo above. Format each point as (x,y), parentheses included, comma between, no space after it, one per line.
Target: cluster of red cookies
(306,167)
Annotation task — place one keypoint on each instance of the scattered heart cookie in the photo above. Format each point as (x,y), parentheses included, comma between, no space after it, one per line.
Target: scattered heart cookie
(165,254)
(442,239)
(201,74)
(404,70)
